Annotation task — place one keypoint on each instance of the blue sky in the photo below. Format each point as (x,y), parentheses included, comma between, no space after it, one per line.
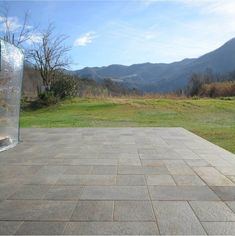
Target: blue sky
(130,32)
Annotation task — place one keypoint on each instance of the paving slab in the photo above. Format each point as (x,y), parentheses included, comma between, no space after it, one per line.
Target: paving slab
(116,181)
(160,180)
(177,218)
(212,211)
(9,227)
(93,211)
(131,180)
(219,228)
(111,228)
(231,205)
(87,180)
(201,193)
(225,193)
(213,177)
(64,192)
(78,170)
(133,211)
(30,192)
(104,170)
(41,228)
(178,167)
(115,193)
(190,180)
(198,163)
(7,189)
(36,210)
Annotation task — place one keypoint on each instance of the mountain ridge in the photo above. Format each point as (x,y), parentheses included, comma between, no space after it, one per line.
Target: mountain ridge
(165,77)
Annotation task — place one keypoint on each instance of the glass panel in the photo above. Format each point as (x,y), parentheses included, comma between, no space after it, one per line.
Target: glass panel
(11,73)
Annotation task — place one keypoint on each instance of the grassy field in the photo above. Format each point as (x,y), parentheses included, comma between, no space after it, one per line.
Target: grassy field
(213,119)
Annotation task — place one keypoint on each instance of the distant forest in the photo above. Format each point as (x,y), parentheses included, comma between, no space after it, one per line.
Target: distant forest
(209,84)
(33,85)
(206,84)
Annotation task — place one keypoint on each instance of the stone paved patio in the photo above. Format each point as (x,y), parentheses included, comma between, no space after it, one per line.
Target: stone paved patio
(116,181)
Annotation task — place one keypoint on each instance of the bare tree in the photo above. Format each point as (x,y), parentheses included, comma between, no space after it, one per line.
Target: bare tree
(12,32)
(50,55)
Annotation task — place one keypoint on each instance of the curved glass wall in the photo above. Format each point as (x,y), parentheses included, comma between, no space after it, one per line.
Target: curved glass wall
(11,73)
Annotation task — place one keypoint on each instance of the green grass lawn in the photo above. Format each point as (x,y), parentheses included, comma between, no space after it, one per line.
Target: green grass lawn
(213,119)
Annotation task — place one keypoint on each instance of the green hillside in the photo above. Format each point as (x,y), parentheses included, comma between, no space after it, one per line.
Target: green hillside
(213,119)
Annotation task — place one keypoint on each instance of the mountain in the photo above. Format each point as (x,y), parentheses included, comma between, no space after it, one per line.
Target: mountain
(163,77)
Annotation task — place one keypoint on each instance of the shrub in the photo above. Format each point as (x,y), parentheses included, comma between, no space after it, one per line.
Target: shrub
(218,89)
(65,86)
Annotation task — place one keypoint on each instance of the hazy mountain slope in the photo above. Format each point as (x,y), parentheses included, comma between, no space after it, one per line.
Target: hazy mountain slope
(162,77)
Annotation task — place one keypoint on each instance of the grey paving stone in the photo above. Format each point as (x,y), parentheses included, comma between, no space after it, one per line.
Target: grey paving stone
(216,160)
(190,180)
(186,153)
(41,228)
(38,210)
(197,163)
(78,170)
(84,156)
(130,170)
(169,155)
(231,177)
(87,180)
(213,177)
(178,167)
(212,211)
(138,170)
(7,189)
(90,161)
(226,193)
(10,171)
(153,163)
(161,170)
(231,205)
(150,151)
(93,211)
(124,156)
(129,161)
(160,180)
(177,218)
(63,162)
(64,192)
(9,227)
(131,180)
(115,193)
(44,179)
(226,170)
(133,211)
(182,193)
(30,192)
(219,228)
(51,170)
(111,228)
(104,170)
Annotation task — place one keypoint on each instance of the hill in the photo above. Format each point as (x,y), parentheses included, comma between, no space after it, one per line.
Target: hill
(163,77)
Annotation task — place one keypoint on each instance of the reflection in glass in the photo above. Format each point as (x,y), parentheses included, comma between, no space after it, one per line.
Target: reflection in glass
(11,73)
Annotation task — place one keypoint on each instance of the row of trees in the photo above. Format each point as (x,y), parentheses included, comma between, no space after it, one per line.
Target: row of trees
(209,84)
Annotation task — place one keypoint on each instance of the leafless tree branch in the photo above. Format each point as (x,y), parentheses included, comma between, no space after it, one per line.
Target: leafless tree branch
(50,55)
(15,36)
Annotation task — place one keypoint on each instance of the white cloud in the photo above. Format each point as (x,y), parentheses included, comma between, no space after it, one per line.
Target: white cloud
(222,7)
(85,39)
(13,23)
(34,38)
